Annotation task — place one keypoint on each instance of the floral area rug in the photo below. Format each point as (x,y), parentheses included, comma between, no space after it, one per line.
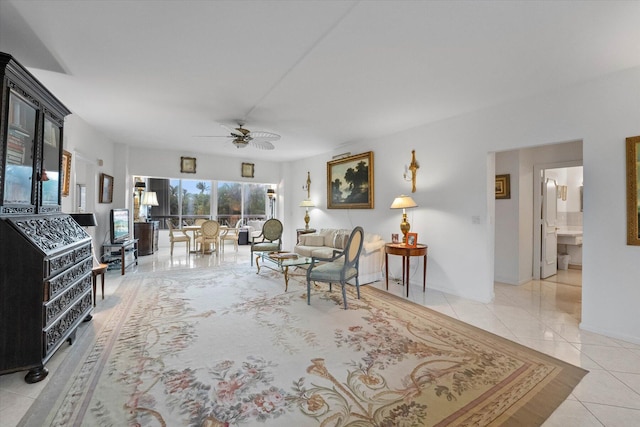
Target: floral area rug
(226,347)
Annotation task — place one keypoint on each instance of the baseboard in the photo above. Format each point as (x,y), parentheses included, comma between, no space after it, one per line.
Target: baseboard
(575,266)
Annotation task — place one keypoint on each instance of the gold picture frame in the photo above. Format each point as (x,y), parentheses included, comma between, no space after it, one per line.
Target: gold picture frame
(633,190)
(350,182)
(66,172)
(503,186)
(106,188)
(187,164)
(247,170)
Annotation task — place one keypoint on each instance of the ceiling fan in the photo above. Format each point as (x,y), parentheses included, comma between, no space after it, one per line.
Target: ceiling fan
(242,137)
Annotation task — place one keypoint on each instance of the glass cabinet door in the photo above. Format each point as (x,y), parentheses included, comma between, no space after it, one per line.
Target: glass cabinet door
(50,174)
(21,136)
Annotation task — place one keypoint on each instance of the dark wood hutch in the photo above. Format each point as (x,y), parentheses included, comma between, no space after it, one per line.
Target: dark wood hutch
(45,256)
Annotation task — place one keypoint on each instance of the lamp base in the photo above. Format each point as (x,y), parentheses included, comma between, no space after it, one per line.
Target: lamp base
(306,219)
(404,227)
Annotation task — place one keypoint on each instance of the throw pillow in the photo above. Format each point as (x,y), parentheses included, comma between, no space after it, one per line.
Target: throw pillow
(340,240)
(312,240)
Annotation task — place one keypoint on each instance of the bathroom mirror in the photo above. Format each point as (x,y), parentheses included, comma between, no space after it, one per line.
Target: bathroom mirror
(633,186)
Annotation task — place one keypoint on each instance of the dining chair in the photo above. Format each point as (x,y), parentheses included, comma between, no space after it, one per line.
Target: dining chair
(340,268)
(270,238)
(178,236)
(231,234)
(210,235)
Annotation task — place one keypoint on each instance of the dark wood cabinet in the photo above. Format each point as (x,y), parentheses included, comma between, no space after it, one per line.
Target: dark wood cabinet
(45,256)
(147,234)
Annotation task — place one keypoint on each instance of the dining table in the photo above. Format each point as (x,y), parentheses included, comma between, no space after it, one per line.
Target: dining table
(193,229)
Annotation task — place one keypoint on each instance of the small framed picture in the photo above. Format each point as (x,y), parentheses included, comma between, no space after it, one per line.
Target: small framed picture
(188,164)
(394,238)
(247,170)
(412,240)
(106,188)
(503,186)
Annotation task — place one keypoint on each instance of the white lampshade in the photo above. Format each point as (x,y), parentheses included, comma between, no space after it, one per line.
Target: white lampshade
(150,198)
(307,203)
(402,202)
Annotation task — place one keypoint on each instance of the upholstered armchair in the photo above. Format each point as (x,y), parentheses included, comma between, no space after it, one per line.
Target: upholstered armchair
(270,239)
(340,268)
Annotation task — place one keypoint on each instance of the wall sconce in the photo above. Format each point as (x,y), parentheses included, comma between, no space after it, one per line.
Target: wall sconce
(271,194)
(307,187)
(413,167)
(403,202)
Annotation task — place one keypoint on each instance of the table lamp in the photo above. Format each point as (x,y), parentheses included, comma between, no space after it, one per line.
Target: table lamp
(404,202)
(306,203)
(150,198)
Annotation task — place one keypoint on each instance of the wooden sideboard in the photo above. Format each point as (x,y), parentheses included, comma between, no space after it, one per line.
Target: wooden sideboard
(147,234)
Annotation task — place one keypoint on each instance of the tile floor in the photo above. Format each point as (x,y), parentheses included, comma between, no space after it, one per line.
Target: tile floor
(543,315)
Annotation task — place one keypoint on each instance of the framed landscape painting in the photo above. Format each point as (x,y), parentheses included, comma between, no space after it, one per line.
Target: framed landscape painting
(350,182)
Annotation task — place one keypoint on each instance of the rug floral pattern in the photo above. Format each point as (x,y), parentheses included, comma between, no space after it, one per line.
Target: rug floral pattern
(227,347)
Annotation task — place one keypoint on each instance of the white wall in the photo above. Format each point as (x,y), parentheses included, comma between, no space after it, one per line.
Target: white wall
(452,187)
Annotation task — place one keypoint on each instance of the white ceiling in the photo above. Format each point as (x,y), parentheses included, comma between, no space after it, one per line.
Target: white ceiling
(319,73)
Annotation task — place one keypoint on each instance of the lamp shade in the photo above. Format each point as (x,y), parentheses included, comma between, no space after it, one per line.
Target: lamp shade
(140,185)
(85,219)
(271,193)
(150,198)
(402,202)
(307,203)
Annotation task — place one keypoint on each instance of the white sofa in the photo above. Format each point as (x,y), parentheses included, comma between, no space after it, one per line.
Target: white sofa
(323,243)
(254,228)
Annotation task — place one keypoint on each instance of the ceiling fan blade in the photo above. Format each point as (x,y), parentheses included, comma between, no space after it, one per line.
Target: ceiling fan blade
(262,144)
(264,136)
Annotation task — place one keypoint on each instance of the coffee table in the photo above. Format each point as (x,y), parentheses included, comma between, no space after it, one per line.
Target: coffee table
(283,260)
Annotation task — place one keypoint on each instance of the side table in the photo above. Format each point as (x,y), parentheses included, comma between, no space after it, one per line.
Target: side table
(406,252)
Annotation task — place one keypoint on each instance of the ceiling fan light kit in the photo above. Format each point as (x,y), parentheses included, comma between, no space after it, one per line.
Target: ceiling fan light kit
(242,137)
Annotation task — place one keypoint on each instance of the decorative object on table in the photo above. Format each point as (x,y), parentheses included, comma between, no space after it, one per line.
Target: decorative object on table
(283,255)
(66,172)
(350,182)
(187,164)
(503,186)
(150,198)
(247,170)
(340,268)
(106,188)
(271,194)
(413,168)
(241,137)
(633,184)
(394,238)
(269,239)
(403,202)
(412,240)
(306,204)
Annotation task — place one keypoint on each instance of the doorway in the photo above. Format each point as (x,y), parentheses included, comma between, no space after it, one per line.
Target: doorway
(557,227)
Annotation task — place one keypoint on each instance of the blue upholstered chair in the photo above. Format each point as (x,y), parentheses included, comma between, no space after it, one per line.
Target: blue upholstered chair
(270,239)
(340,268)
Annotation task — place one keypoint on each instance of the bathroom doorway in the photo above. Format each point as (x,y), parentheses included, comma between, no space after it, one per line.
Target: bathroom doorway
(561,228)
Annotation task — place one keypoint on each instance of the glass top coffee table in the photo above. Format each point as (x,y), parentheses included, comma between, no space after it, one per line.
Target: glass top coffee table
(283,260)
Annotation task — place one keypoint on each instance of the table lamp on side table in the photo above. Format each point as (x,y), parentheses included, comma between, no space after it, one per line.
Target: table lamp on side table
(403,202)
